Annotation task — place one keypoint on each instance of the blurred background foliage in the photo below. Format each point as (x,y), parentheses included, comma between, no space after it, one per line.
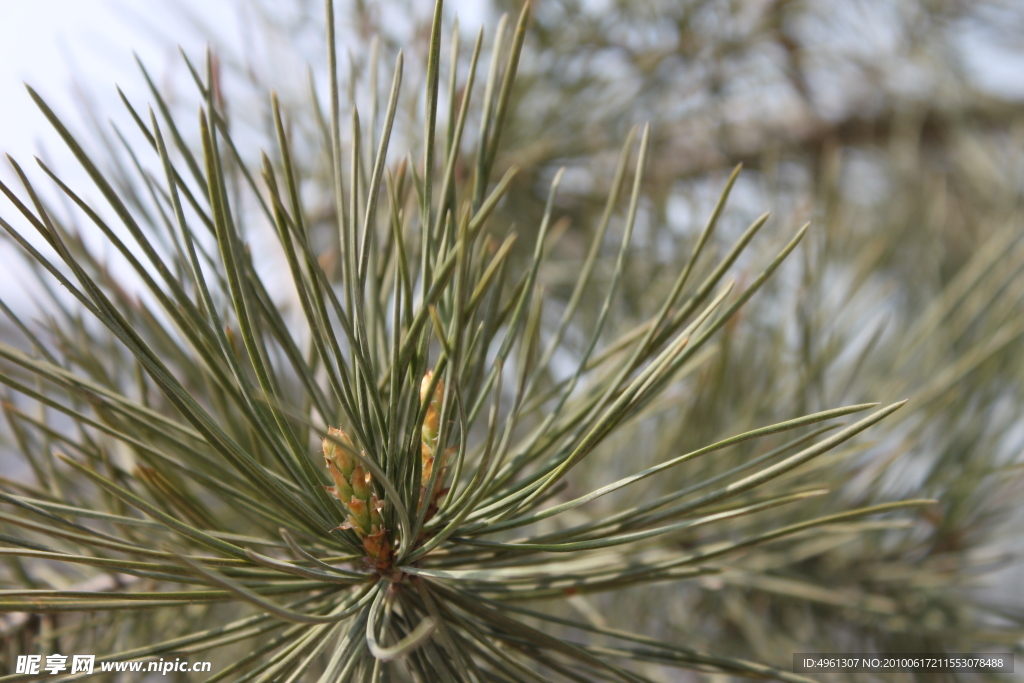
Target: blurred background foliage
(891,126)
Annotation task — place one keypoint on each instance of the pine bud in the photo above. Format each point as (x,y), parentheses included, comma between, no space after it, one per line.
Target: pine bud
(336,454)
(432,422)
(429,440)
(378,548)
(341,490)
(359,516)
(353,487)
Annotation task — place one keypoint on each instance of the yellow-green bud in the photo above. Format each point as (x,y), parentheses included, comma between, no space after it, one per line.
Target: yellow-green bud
(360,483)
(432,421)
(376,505)
(359,516)
(353,486)
(342,490)
(337,454)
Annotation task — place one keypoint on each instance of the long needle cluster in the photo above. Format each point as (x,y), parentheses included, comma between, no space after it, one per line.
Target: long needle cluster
(189,410)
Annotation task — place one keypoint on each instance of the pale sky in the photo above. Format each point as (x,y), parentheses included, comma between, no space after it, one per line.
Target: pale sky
(54,45)
(60,45)
(50,44)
